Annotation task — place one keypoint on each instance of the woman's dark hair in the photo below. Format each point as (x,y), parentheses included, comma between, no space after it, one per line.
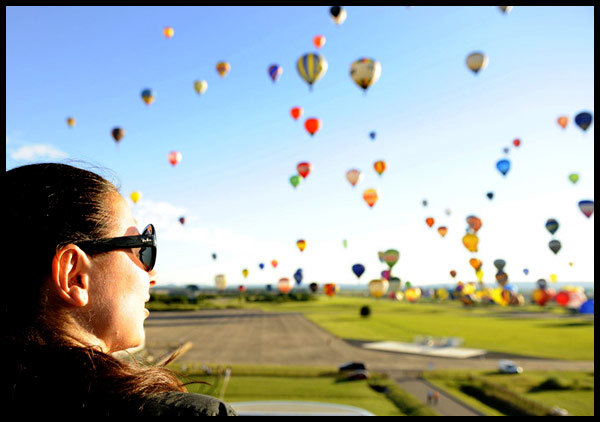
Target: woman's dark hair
(49,206)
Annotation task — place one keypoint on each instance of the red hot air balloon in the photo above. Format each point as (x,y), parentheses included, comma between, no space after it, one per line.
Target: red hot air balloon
(312,125)
(319,41)
(304,168)
(274,263)
(296,112)
(174,157)
(517,142)
(430,221)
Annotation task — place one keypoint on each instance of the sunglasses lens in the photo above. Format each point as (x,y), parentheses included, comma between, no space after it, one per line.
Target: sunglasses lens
(146,256)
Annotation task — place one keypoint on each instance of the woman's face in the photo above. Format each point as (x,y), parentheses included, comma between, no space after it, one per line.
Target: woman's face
(119,288)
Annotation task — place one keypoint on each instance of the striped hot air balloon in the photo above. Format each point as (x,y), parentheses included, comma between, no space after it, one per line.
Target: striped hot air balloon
(311,67)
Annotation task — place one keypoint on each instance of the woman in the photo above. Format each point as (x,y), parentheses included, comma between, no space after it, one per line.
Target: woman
(79,274)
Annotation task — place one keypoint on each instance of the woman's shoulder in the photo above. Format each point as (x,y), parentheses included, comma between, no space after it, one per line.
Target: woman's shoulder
(175,403)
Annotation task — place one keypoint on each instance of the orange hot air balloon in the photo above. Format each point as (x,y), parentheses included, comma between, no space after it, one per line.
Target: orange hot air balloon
(329,289)
(442,230)
(168,31)
(370,196)
(353,176)
(475,263)
(430,221)
(301,244)
(274,263)
(174,157)
(223,68)
(319,41)
(284,285)
(71,121)
(470,241)
(296,112)
(474,223)
(563,121)
(304,168)
(312,125)
(379,166)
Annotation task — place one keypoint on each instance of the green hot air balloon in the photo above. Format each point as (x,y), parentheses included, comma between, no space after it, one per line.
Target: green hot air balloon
(574,177)
(295,180)
(390,257)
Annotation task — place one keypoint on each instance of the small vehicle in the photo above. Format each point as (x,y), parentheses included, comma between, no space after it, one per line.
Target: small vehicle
(506,366)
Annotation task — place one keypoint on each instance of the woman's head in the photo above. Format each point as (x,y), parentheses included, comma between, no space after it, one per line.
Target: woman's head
(55,288)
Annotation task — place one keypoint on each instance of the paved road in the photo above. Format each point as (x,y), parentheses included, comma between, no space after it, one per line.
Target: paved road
(254,337)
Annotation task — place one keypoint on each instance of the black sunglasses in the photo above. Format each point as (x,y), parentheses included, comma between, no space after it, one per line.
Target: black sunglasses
(146,242)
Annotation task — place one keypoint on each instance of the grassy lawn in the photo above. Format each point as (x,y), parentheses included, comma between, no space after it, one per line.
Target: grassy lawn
(256,383)
(529,331)
(577,397)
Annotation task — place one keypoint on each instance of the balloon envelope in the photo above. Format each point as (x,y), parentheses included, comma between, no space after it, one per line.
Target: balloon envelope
(220,281)
(301,244)
(200,87)
(563,121)
(295,180)
(583,120)
(552,225)
(470,241)
(319,41)
(365,72)
(71,121)
(370,197)
(245,272)
(274,263)
(587,207)
(174,157)
(574,177)
(223,68)
(338,14)
(503,166)
(303,168)
(442,230)
(296,112)
(358,270)
(354,176)
(168,32)
(135,196)
(284,285)
(275,72)
(554,245)
(312,125)
(587,307)
(311,67)
(477,61)
(475,263)
(330,289)
(429,221)
(378,287)
(499,264)
(379,166)
(118,133)
(391,257)
(474,223)
(147,96)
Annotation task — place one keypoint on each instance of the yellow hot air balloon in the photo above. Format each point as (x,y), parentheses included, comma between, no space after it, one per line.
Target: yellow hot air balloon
(220,281)
(412,294)
(200,87)
(245,272)
(370,196)
(168,32)
(479,275)
(71,121)
(477,61)
(553,278)
(470,241)
(378,287)
(311,67)
(136,196)
(223,68)
(365,72)
(301,244)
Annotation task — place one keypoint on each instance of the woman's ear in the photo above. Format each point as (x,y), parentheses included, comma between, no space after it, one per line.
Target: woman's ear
(71,275)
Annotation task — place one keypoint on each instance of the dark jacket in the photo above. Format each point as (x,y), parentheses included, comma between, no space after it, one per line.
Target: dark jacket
(185,404)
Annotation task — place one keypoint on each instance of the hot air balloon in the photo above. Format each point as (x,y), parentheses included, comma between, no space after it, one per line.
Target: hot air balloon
(526,271)
(587,307)
(261,266)
(214,256)
(284,285)
(574,177)
(168,32)
(370,197)
(554,246)
(563,121)
(295,180)
(424,202)
(490,195)
(387,274)
(587,207)
(412,294)
(542,296)
(338,14)
(245,272)
(391,257)
(304,168)
(353,176)
(470,241)
(475,263)
(70,121)
(516,142)
(372,135)
(552,225)
(135,196)
(319,41)
(223,68)
(503,166)
(499,264)
(442,230)
(583,120)
(542,283)
(505,9)
(220,281)
(275,72)
(313,287)
(474,223)
(301,244)
(311,67)
(241,288)
(365,72)
(345,243)
(274,263)
(118,134)
(296,112)
(378,287)
(174,158)
(452,273)
(553,278)
(148,96)
(312,125)
(358,270)
(182,220)
(502,278)
(379,166)
(330,289)
(200,87)
(429,221)
(298,276)
(477,61)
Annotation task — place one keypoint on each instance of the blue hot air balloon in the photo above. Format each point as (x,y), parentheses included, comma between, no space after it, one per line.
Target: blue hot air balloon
(503,166)
(275,72)
(525,271)
(214,256)
(373,135)
(298,276)
(583,120)
(358,269)
(552,225)
(587,307)
(261,265)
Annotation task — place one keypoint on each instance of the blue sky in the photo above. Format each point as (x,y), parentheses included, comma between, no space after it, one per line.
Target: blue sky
(440,129)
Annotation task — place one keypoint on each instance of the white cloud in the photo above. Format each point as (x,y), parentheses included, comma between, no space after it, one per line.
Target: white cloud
(37,151)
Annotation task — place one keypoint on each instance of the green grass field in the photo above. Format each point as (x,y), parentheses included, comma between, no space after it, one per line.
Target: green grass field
(527,331)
